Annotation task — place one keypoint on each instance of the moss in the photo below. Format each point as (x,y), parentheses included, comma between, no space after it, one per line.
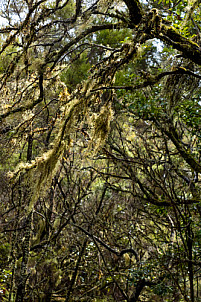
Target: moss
(189,48)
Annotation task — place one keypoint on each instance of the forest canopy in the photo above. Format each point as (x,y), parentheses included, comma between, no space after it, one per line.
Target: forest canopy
(100,148)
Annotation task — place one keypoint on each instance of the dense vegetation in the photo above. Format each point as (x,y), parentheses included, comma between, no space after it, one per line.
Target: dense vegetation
(100,147)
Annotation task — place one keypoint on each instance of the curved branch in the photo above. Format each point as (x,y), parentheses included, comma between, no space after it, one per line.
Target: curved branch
(151,80)
(56,56)
(190,49)
(135,11)
(186,154)
(114,251)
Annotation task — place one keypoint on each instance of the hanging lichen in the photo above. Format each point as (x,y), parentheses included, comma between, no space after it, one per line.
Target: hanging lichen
(101,127)
(40,171)
(86,102)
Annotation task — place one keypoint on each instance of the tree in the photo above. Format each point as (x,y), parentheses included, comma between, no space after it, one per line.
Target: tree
(100,151)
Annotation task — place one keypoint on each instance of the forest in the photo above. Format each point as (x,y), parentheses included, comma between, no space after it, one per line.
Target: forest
(100,150)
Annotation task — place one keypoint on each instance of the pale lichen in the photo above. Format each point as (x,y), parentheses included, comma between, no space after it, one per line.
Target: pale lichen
(88,98)
(101,127)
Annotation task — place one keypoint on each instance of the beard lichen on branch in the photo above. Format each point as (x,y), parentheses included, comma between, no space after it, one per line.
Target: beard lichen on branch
(40,171)
(101,127)
(156,28)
